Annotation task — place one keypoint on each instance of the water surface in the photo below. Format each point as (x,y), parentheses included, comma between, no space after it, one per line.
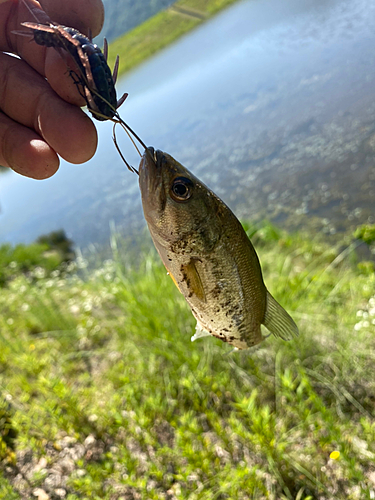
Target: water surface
(271,103)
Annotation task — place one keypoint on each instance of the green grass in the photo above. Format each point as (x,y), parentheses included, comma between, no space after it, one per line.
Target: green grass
(159,31)
(41,258)
(101,386)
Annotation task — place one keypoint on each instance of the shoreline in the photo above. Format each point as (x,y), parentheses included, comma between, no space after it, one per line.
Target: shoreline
(161,30)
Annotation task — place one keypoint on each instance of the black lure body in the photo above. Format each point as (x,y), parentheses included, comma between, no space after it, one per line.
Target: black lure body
(106,101)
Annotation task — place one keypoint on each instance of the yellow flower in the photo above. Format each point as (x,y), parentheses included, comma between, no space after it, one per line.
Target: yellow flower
(335,455)
(32,347)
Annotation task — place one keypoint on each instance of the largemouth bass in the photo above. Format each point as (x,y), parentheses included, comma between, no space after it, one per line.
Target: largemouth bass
(208,255)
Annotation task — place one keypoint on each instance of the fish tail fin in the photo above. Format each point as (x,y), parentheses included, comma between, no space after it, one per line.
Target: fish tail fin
(278,321)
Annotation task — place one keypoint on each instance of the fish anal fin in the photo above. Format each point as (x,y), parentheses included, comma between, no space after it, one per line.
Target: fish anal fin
(193,280)
(278,321)
(199,332)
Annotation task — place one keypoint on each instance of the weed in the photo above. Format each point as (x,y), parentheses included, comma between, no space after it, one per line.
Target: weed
(110,399)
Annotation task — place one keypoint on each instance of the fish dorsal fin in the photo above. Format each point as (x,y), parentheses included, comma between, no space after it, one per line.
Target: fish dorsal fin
(193,280)
(278,321)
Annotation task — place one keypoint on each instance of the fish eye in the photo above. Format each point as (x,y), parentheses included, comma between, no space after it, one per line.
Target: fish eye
(181,189)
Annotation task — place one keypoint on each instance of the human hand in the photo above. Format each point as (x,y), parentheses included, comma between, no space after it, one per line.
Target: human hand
(41,119)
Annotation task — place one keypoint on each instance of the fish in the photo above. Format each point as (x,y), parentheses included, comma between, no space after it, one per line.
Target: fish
(208,255)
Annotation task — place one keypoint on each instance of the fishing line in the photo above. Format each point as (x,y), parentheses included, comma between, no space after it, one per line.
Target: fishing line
(130,167)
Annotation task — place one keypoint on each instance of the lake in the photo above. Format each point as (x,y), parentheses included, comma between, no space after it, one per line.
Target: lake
(272,104)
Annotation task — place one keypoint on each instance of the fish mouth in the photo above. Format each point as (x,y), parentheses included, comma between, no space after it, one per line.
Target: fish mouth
(148,171)
(157,156)
(151,159)
(151,151)
(151,165)
(151,177)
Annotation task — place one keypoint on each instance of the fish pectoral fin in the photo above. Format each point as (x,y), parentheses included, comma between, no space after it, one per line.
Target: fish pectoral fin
(278,321)
(173,279)
(193,280)
(199,332)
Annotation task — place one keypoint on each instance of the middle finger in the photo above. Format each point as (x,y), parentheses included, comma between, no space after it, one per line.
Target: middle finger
(26,97)
(49,62)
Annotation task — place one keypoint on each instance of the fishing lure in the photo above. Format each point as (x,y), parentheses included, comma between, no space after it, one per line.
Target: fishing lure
(94,79)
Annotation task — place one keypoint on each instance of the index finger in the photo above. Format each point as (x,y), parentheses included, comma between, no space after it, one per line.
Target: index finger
(84,15)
